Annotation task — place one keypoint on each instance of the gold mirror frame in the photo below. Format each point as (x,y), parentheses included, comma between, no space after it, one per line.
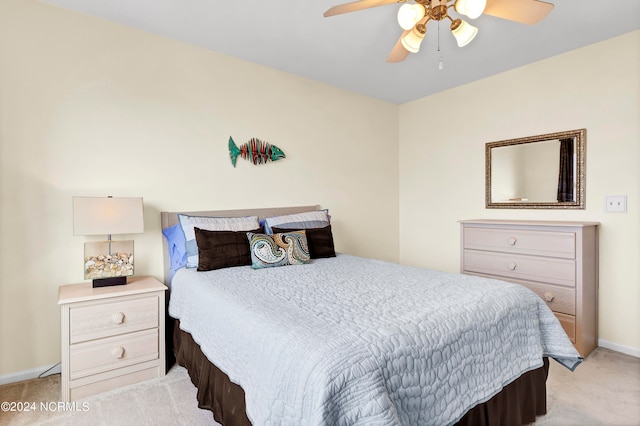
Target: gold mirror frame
(580,136)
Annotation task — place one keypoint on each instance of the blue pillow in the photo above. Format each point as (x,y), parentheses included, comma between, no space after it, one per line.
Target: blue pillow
(177,248)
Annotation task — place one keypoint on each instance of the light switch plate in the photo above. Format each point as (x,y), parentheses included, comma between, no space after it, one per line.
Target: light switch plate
(615,204)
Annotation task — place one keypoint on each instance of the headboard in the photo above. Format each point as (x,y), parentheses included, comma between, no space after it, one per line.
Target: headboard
(168,219)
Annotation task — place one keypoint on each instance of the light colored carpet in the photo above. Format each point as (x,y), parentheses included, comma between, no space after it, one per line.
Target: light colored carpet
(604,390)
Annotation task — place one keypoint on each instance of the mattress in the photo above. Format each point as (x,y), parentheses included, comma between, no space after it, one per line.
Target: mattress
(349,340)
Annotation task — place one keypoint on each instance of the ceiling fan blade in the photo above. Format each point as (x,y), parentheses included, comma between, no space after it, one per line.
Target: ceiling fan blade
(522,11)
(399,53)
(357,5)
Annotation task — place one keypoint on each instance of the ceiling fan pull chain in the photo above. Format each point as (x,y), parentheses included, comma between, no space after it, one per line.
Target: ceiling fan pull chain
(440,63)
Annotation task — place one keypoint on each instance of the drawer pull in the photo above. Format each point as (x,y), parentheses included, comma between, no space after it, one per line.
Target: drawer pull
(117,352)
(512,265)
(513,241)
(117,318)
(548,296)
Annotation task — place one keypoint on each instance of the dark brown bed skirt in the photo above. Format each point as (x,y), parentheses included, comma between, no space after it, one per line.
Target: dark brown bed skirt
(517,404)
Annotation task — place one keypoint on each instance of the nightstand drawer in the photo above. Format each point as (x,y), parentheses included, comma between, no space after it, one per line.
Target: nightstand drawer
(110,380)
(113,318)
(529,268)
(113,352)
(551,244)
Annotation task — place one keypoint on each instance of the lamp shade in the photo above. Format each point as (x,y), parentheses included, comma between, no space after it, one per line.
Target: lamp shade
(464,32)
(471,8)
(410,14)
(412,41)
(108,215)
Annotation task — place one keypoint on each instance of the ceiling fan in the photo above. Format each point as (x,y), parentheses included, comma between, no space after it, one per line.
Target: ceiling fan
(413,17)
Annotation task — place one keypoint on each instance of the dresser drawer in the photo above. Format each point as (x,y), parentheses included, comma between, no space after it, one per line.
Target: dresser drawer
(568,322)
(557,298)
(113,352)
(529,268)
(108,319)
(539,243)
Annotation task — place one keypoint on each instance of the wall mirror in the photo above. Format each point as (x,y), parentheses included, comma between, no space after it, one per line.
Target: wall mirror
(536,172)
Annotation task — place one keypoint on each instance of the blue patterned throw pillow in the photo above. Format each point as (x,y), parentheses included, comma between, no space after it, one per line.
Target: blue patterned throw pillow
(287,248)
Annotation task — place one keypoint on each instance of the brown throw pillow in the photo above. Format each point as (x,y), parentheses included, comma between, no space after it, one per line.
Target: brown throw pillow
(320,241)
(223,249)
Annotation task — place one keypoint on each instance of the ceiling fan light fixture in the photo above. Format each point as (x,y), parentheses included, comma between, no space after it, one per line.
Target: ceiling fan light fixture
(414,15)
(410,14)
(470,8)
(412,41)
(463,32)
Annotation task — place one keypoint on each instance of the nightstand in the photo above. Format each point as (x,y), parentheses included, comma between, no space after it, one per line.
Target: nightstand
(111,336)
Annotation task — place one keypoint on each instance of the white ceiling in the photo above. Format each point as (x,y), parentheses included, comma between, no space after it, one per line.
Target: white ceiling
(349,51)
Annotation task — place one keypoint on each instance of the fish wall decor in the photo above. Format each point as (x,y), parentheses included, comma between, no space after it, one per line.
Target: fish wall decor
(256,151)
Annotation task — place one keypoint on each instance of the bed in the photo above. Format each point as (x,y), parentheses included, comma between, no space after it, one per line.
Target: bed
(349,340)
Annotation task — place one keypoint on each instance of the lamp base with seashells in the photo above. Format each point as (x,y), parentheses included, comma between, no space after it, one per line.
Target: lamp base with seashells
(108,263)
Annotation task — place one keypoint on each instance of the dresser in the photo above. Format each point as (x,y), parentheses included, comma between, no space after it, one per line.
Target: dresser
(557,260)
(111,336)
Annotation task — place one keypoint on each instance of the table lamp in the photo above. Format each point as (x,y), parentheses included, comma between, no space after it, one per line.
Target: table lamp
(109,262)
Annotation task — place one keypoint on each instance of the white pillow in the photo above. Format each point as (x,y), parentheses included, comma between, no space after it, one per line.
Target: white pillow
(306,220)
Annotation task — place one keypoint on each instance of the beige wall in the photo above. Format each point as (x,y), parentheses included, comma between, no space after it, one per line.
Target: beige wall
(88,107)
(442,163)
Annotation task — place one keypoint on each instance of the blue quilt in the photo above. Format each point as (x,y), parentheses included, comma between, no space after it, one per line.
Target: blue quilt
(354,341)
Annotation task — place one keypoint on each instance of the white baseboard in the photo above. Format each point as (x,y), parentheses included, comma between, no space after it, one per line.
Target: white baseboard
(29,374)
(619,348)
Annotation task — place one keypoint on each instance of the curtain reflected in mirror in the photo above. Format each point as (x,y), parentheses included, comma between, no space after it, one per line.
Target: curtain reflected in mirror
(566,178)
(545,171)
